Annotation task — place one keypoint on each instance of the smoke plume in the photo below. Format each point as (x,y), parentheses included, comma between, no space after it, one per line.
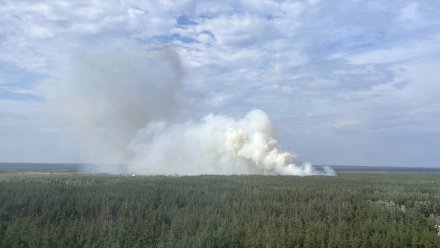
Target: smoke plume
(121,102)
(215,145)
(108,94)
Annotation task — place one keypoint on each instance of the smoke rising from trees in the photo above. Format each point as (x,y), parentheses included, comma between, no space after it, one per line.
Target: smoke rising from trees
(121,101)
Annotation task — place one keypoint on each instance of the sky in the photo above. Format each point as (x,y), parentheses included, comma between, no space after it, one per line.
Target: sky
(345,82)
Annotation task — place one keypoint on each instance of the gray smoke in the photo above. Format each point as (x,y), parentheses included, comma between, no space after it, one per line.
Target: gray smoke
(121,102)
(109,94)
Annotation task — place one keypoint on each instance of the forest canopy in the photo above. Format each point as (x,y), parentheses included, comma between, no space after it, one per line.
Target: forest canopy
(351,210)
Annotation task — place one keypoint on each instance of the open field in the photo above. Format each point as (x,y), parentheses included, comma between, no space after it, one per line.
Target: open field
(351,210)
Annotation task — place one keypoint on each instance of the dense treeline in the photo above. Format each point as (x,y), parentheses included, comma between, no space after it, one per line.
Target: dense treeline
(351,210)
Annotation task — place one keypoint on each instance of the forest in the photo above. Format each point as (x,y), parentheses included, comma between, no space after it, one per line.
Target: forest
(94,210)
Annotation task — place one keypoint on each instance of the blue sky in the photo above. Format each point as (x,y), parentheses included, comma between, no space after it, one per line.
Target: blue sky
(345,82)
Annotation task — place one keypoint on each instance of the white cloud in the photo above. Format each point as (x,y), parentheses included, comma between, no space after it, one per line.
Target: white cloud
(240,30)
(409,13)
(307,63)
(415,49)
(345,123)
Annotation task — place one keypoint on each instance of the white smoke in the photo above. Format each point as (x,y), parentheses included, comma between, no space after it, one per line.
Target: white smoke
(121,101)
(216,145)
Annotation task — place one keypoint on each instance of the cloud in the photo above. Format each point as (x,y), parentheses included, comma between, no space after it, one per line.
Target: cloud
(346,123)
(409,13)
(307,63)
(239,31)
(416,49)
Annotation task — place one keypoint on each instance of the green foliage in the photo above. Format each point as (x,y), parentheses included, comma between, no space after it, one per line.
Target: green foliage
(351,210)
